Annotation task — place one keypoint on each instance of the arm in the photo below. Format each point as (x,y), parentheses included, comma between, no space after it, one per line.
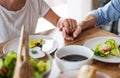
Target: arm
(108,13)
(103,15)
(67,25)
(88,22)
(52,17)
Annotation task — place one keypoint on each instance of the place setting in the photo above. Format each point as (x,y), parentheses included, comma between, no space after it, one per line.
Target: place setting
(106,48)
(37,43)
(71,61)
(18,61)
(74,60)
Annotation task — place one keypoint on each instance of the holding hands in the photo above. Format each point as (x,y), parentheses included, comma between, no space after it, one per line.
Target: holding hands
(69,28)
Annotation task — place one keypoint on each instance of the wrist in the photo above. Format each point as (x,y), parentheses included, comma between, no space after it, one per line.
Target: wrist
(60,23)
(85,24)
(82,25)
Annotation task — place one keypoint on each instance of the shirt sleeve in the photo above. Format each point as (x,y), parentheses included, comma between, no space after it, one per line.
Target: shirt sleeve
(108,13)
(43,7)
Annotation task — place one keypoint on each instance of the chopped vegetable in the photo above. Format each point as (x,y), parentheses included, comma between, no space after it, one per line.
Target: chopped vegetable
(106,48)
(7,66)
(32,43)
(40,40)
(36,43)
(34,52)
(10,59)
(111,43)
(41,66)
(47,65)
(1,62)
(115,51)
(110,48)
(38,76)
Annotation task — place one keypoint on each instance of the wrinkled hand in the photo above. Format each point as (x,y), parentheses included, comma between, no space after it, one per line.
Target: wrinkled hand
(69,28)
(71,35)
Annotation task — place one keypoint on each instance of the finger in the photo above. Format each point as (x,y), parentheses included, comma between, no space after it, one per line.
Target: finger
(70,22)
(74,25)
(61,27)
(66,35)
(69,37)
(77,32)
(66,26)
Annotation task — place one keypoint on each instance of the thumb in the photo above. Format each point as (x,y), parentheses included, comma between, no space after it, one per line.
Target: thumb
(61,28)
(77,32)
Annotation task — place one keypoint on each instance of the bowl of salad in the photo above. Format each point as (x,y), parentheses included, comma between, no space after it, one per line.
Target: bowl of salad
(41,66)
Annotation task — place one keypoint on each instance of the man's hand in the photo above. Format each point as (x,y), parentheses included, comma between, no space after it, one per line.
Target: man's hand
(71,35)
(69,28)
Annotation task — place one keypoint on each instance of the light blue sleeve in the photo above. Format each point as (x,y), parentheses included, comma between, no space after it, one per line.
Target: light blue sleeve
(108,13)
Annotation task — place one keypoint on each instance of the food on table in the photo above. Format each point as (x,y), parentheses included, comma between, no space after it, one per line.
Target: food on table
(7,66)
(87,71)
(32,43)
(36,43)
(34,51)
(110,47)
(74,57)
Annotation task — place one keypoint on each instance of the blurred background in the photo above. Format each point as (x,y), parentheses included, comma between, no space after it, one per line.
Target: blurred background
(76,9)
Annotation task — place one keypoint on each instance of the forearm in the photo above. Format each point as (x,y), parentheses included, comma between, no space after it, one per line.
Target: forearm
(88,22)
(108,13)
(52,17)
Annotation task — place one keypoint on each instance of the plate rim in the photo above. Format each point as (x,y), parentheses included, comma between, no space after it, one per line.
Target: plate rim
(15,39)
(96,57)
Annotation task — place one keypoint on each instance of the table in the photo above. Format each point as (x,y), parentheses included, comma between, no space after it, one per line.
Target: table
(110,69)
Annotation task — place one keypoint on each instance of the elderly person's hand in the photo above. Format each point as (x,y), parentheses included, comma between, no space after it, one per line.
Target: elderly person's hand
(69,28)
(71,35)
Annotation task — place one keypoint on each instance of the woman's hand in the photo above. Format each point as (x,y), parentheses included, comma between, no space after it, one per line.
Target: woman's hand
(69,28)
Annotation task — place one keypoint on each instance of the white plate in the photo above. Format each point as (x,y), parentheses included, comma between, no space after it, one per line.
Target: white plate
(91,43)
(55,73)
(49,46)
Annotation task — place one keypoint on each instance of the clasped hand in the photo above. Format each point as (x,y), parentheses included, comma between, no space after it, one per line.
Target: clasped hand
(69,28)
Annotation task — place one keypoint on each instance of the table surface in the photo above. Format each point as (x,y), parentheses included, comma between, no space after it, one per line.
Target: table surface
(107,68)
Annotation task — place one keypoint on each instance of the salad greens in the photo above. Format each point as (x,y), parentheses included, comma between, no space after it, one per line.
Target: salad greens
(36,43)
(110,47)
(8,63)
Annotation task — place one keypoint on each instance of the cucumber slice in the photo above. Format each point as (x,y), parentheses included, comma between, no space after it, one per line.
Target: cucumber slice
(1,62)
(115,51)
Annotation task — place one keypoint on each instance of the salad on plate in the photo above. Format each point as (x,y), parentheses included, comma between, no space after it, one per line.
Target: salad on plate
(110,47)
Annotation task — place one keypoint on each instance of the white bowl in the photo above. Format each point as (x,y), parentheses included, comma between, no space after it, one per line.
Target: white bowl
(73,50)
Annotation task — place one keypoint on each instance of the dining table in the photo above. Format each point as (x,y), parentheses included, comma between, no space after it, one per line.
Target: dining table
(111,69)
